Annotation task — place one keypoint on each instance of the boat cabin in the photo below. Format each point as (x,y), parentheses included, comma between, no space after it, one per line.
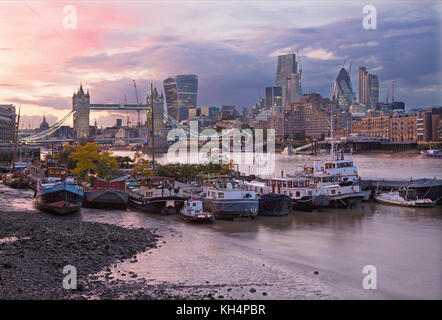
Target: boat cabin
(156,186)
(193,206)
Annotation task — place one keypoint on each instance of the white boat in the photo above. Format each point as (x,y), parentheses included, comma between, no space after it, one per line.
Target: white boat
(288,151)
(400,198)
(229,200)
(193,212)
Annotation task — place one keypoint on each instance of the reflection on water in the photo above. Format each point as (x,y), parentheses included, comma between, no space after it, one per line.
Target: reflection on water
(278,255)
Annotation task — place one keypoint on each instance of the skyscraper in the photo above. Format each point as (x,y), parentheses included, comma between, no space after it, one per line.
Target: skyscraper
(373,84)
(286,66)
(364,94)
(273,97)
(181,94)
(294,90)
(342,90)
(288,78)
(368,88)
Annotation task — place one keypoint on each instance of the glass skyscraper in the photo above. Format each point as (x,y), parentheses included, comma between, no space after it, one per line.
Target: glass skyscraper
(273,97)
(342,90)
(287,71)
(181,94)
(373,84)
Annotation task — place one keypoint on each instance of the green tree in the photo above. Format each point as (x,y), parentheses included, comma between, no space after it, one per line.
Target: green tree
(106,165)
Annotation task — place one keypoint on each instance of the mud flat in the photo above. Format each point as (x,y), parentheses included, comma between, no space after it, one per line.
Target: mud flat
(35,248)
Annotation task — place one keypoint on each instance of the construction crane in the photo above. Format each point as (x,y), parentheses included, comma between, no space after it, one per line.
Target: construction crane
(390,86)
(388,93)
(138,103)
(299,62)
(392,94)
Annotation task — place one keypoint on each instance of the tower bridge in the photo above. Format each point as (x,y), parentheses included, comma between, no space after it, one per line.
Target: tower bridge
(81,108)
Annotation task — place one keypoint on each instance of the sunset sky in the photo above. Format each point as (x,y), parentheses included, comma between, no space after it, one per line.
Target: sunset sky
(231,46)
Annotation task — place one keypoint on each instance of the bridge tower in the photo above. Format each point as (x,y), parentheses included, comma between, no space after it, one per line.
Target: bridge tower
(158,111)
(81,106)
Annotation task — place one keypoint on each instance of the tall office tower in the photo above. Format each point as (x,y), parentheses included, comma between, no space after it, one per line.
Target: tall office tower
(368,88)
(294,90)
(273,97)
(158,112)
(364,94)
(181,93)
(81,106)
(287,65)
(373,85)
(342,90)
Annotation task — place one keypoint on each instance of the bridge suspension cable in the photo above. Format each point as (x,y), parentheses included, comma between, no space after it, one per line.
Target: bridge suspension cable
(52,129)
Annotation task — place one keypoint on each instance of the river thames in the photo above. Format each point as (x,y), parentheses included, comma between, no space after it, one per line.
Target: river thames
(303,255)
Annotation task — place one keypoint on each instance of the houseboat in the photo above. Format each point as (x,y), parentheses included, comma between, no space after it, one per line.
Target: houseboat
(229,200)
(337,178)
(156,195)
(106,194)
(58,197)
(193,211)
(48,168)
(303,194)
(16,180)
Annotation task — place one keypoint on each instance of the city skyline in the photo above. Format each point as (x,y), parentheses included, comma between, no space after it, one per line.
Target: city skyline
(233,56)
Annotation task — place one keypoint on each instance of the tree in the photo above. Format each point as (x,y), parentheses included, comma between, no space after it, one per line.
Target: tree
(63,156)
(141,166)
(124,162)
(85,158)
(106,165)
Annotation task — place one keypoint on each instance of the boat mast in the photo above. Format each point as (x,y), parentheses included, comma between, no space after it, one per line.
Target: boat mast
(153,135)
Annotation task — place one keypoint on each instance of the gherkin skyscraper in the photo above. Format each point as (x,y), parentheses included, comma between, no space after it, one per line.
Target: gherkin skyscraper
(343,90)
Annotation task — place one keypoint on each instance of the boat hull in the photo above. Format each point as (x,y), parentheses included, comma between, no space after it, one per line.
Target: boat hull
(197,218)
(60,208)
(110,199)
(229,209)
(310,203)
(346,200)
(274,205)
(159,205)
(60,199)
(411,203)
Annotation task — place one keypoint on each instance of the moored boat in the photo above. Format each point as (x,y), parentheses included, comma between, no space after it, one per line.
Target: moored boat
(271,204)
(57,197)
(288,151)
(104,194)
(156,195)
(16,180)
(403,198)
(193,212)
(229,201)
(434,154)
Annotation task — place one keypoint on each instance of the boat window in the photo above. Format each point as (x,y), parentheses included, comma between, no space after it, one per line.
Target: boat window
(289,184)
(298,194)
(291,194)
(333,191)
(310,192)
(261,190)
(284,184)
(221,195)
